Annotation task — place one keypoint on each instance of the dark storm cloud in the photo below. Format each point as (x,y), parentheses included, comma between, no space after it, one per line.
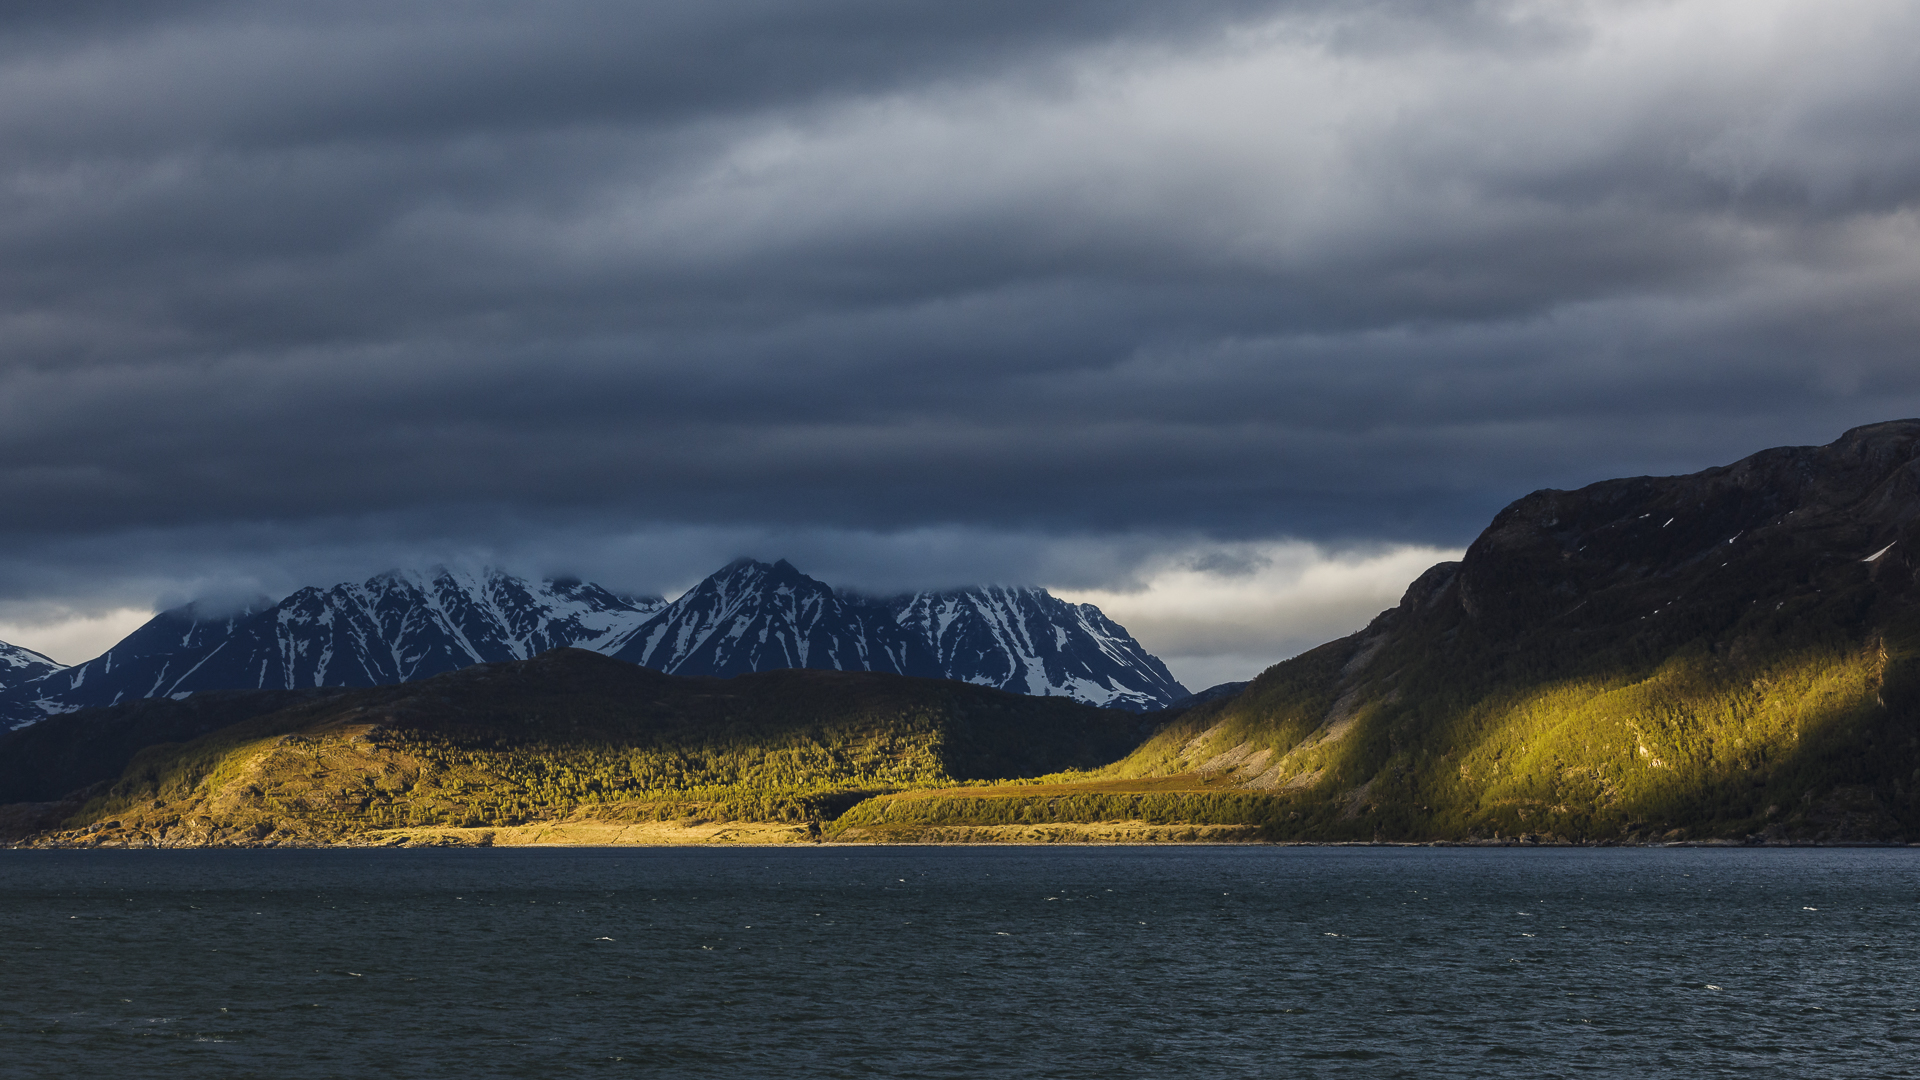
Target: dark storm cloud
(298,290)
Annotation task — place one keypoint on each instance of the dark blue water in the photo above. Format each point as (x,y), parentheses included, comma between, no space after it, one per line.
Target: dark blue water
(832,962)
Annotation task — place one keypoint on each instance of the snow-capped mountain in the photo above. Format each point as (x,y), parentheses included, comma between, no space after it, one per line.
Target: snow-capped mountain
(1029,641)
(393,628)
(752,616)
(18,665)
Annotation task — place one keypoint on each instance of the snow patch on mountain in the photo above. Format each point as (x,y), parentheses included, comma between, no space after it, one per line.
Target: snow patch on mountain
(21,665)
(395,627)
(752,616)
(1026,639)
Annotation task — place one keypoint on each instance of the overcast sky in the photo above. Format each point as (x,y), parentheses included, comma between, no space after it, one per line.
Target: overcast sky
(1238,306)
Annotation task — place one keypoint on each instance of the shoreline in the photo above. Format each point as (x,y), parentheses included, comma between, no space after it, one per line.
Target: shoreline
(759,835)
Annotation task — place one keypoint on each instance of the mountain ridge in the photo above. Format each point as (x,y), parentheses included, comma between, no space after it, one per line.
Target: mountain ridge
(402,625)
(394,627)
(755,616)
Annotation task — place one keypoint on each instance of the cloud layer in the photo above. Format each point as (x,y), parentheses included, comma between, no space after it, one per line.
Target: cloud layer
(1226,614)
(1053,292)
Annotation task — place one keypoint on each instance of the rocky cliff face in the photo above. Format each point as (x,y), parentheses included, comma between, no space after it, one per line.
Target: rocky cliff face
(1782,523)
(1733,653)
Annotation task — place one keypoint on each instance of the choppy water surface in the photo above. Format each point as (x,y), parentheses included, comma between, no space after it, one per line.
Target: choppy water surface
(1111,962)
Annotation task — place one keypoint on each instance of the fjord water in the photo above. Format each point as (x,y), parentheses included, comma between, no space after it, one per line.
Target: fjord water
(934,962)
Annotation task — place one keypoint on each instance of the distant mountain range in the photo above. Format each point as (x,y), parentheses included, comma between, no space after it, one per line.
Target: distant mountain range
(750,616)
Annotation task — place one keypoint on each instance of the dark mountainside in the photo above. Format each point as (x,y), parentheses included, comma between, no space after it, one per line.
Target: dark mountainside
(1733,654)
(567,733)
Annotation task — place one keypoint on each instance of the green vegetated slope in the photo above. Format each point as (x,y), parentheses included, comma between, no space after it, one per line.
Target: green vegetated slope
(49,770)
(572,733)
(1733,654)
(48,761)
